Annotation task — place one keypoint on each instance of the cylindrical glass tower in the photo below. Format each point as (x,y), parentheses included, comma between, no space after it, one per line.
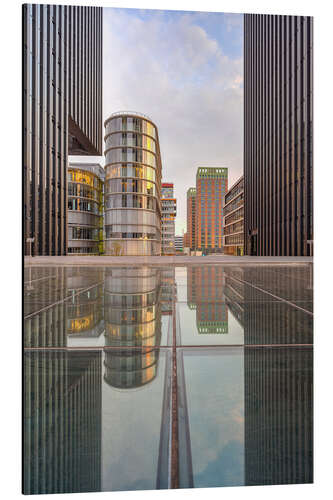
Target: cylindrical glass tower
(132,185)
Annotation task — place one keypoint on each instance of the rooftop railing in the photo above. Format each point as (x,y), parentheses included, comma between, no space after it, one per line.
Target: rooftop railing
(89,167)
(134,113)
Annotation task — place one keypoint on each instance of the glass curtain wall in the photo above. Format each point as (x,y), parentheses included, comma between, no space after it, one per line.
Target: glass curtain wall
(132,186)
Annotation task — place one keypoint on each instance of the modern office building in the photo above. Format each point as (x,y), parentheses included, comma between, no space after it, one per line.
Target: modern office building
(278,128)
(179,243)
(133,185)
(190,218)
(62,113)
(169,212)
(211,186)
(233,225)
(85,208)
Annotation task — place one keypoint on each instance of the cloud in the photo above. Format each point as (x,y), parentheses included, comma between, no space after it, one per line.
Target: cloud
(171,68)
(216,415)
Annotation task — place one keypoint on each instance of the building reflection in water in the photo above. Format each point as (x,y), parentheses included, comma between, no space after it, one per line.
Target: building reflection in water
(64,304)
(267,320)
(132,326)
(278,415)
(45,326)
(63,389)
(85,308)
(168,290)
(205,293)
(278,381)
(62,422)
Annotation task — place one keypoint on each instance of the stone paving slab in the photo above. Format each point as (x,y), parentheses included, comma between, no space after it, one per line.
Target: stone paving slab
(178,260)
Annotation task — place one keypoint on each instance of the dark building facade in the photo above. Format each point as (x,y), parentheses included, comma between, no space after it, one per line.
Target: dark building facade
(62,113)
(278,118)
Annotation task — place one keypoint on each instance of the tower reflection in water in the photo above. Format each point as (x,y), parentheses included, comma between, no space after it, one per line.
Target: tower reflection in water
(132,326)
(205,294)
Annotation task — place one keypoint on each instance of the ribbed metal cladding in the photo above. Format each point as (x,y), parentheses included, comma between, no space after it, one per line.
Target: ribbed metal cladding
(278,127)
(62,113)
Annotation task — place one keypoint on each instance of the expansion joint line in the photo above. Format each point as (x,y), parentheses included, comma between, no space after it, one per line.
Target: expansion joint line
(39,279)
(271,294)
(174,404)
(62,300)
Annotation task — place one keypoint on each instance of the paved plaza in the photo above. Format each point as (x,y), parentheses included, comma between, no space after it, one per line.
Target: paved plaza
(177,260)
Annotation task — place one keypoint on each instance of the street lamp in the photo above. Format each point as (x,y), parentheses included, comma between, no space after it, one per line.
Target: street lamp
(30,240)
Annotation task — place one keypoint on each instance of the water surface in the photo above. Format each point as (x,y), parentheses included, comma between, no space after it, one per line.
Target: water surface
(110,352)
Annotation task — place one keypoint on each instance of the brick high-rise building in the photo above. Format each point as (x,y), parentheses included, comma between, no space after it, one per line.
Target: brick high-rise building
(278,101)
(211,186)
(190,218)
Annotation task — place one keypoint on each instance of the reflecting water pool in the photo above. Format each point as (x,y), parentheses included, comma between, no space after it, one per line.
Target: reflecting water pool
(167,377)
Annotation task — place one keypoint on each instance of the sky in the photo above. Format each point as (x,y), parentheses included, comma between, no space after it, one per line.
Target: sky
(185,71)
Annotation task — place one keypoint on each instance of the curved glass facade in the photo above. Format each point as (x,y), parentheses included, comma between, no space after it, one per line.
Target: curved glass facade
(133,186)
(85,186)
